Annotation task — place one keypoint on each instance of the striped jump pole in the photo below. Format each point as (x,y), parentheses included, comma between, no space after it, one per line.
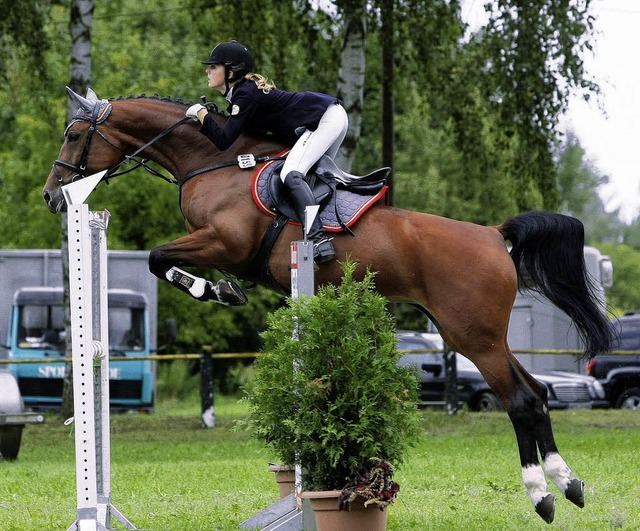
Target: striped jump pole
(302,285)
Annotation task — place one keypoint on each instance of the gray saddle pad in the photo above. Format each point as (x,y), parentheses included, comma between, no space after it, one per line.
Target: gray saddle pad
(337,210)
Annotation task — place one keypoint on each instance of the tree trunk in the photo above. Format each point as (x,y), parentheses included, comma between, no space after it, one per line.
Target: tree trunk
(387,91)
(80,21)
(351,77)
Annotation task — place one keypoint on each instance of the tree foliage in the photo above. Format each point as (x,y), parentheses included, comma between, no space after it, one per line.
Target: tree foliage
(625,293)
(475,114)
(535,60)
(22,34)
(576,177)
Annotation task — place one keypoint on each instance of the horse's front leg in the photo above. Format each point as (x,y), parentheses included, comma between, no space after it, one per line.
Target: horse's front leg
(194,250)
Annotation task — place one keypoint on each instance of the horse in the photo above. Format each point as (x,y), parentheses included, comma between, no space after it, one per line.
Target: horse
(462,275)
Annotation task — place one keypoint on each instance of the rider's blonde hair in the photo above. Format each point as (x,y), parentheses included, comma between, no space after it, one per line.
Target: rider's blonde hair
(261,82)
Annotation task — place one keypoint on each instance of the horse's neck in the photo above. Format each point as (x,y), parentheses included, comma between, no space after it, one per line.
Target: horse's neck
(185,149)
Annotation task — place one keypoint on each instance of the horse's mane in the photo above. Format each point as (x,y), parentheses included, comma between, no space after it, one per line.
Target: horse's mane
(167,99)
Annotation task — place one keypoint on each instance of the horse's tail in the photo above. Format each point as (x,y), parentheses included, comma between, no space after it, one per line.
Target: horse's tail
(548,252)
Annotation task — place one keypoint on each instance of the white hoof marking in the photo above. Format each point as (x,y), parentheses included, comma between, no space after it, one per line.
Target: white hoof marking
(534,482)
(557,471)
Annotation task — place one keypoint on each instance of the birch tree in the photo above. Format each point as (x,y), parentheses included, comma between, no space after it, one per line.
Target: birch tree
(536,55)
(80,23)
(351,75)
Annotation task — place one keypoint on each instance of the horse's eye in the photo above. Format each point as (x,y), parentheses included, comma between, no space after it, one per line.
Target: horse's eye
(73,136)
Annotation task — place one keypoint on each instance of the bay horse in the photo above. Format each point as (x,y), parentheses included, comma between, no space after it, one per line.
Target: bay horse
(460,274)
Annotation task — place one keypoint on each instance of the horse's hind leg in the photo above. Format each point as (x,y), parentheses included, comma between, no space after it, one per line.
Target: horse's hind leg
(526,407)
(554,466)
(526,410)
(193,250)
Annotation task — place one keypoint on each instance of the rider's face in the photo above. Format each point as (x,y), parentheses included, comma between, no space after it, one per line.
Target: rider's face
(215,74)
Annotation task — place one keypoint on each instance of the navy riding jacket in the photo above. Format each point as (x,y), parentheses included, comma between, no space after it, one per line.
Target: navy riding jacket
(279,113)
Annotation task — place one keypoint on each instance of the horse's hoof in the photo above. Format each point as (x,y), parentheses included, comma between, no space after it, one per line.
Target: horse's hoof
(546,508)
(575,492)
(229,293)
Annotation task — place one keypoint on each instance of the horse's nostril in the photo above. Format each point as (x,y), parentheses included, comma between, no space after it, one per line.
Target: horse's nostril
(47,197)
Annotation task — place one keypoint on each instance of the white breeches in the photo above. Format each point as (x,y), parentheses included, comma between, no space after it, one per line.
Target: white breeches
(311,145)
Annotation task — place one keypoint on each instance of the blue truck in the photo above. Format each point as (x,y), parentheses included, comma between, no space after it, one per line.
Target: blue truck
(32,322)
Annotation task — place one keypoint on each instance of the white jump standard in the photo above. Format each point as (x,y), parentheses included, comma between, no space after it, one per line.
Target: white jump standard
(90,359)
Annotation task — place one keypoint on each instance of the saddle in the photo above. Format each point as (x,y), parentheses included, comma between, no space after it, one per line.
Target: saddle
(343,198)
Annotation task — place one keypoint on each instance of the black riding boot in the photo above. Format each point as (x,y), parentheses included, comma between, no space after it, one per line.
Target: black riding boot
(302,197)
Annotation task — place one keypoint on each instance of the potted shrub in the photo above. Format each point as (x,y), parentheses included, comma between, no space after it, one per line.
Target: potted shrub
(346,410)
(285,478)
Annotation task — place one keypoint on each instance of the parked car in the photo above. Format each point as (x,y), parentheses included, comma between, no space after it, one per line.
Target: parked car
(619,374)
(566,390)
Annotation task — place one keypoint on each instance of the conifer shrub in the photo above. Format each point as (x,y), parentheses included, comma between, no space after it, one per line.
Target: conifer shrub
(335,398)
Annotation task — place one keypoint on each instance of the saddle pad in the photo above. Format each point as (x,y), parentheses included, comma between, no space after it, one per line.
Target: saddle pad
(350,206)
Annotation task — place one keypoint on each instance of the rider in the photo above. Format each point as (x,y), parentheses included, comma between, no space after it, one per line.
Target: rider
(313,123)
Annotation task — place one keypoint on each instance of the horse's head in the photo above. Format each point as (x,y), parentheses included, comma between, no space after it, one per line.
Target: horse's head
(82,153)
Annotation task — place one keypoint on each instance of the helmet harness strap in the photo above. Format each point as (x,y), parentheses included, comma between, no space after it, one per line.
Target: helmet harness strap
(227,71)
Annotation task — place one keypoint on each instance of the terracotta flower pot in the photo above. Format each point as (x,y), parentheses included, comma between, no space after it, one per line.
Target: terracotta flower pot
(286,479)
(359,518)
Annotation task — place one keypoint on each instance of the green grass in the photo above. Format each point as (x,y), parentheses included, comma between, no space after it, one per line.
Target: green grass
(170,474)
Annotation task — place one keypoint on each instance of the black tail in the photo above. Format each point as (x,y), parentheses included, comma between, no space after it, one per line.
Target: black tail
(548,252)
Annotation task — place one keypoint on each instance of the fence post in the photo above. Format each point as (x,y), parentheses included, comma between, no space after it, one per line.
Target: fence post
(208,413)
(303,284)
(451,380)
(292,513)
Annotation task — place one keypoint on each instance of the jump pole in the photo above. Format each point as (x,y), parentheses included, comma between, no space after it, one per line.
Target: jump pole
(87,234)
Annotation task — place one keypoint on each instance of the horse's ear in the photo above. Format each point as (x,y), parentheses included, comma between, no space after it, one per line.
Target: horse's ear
(87,104)
(91,95)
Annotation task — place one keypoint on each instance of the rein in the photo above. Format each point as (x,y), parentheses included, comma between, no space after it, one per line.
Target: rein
(142,162)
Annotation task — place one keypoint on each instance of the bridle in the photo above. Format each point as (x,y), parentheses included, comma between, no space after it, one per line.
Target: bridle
(94,119)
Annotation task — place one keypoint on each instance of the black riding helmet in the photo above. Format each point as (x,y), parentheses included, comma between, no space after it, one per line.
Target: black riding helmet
(234,56)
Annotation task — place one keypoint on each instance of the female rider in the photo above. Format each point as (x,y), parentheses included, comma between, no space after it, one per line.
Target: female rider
(313,123)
